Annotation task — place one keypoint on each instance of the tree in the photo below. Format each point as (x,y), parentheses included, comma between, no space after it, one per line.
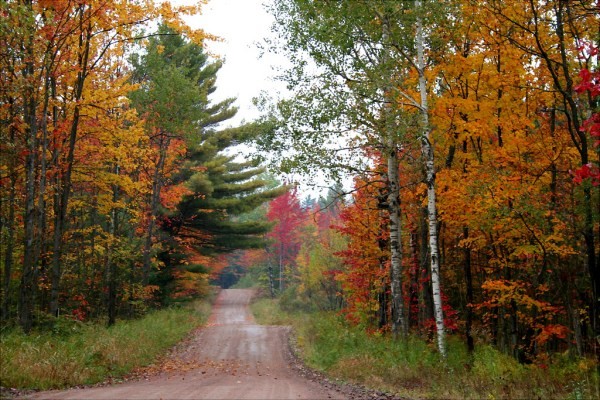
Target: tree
(573,24)
(590,84)
(171,74)
(288,218)
(366,275)
(197,190)
(369,58)
(319,264)
(221,190)
(63,68)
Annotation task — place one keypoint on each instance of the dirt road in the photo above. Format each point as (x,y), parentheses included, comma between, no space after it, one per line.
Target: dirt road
(232,358)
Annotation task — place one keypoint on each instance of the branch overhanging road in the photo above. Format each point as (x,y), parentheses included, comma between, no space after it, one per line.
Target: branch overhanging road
(230,358)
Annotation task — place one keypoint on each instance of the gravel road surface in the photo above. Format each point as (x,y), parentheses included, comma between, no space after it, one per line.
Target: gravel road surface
(230,358)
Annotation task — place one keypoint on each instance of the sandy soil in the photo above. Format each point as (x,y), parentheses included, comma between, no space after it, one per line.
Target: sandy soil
(231,358)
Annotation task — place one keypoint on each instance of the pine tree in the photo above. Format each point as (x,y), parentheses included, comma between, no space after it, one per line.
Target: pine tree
(222,190)
(205,188)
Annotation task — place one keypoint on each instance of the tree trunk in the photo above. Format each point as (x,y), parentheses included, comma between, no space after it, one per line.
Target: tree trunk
(270,273)
(27,287)
(576,324)
(280,267)
(425,296)
(41,246)
(428,153)
(65,187)
(111,272)
(271,283)
(413,303)
(8,250)
(469,305)
(383,298)
(157,183)
(9,247)
(111,269)
(399,325)
(433,249)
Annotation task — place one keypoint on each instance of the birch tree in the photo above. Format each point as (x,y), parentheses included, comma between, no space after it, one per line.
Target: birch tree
(366,56)
(429,158)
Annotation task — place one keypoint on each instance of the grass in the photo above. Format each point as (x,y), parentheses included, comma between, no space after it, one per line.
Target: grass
(413,369)
(81,354)
(267,312)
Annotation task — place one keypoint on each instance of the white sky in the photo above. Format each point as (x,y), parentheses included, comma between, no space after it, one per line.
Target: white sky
(242,24)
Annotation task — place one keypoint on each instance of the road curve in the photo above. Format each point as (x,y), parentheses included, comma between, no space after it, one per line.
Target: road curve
(231,358)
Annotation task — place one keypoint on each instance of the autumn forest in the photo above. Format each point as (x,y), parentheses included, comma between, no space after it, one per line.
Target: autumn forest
(460,140)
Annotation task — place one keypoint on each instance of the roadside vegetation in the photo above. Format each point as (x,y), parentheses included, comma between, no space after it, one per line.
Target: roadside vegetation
(413,368)
(75,353)
(470,132)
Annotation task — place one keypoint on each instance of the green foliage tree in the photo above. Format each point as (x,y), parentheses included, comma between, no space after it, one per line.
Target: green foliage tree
(173,75)
(194,155)
(222,191)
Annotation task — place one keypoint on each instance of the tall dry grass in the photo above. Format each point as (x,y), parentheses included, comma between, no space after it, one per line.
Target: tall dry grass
(77,354)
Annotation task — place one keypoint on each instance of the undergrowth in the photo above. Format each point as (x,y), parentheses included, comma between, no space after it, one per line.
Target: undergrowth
(75,353)
(413,368)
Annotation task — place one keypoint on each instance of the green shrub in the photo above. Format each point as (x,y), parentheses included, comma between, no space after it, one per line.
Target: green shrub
(291,302)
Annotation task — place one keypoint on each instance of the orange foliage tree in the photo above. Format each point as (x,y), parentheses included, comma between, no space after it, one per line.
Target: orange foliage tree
(73,147)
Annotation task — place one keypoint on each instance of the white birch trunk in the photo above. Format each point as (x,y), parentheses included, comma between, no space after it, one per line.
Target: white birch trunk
(428,153)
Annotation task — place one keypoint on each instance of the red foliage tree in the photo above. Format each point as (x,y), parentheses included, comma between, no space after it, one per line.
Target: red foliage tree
(366,276)
(590,84)
(288,216)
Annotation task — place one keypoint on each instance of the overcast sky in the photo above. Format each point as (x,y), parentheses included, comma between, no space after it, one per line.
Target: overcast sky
(241,24)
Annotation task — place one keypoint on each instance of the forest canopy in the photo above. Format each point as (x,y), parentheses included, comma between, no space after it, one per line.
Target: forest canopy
(115,192)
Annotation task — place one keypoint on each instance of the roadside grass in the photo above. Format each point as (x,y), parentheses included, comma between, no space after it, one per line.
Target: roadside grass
(266,311)
(413,369)
(75,353)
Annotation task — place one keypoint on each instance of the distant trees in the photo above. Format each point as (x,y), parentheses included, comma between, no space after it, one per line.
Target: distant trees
(288,217)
